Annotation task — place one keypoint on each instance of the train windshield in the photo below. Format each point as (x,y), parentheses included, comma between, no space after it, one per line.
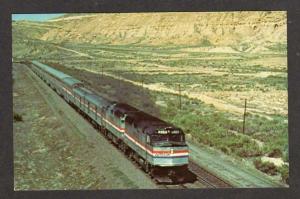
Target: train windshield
(167,140)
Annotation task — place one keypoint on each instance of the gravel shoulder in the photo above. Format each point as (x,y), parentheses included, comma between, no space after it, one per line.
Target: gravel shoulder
(55,148)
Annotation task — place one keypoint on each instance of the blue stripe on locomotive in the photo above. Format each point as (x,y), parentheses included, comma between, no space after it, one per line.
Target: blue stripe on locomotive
(169,160)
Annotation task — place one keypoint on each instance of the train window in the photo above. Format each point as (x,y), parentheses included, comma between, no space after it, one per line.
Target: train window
(167,140)
(176,138)
(155,139)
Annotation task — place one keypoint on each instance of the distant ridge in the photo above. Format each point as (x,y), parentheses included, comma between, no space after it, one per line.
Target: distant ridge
(226,31)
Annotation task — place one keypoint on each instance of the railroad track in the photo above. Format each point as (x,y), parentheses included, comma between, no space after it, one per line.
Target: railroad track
(204,179)
(207,178)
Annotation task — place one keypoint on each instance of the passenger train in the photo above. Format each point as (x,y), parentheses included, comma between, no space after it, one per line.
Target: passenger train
(157,146)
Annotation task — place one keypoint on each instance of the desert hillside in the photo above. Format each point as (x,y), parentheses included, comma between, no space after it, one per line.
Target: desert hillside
(261,29)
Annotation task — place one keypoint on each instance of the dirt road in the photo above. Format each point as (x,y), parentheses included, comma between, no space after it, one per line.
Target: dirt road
(55,148)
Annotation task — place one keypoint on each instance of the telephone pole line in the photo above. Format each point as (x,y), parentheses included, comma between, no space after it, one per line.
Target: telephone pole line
(119,80)
(244,121)
(179,88)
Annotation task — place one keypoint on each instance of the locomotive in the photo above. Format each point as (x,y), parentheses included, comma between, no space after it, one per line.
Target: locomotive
(157,146)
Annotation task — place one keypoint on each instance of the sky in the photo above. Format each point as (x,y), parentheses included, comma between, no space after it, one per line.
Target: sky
(34,17)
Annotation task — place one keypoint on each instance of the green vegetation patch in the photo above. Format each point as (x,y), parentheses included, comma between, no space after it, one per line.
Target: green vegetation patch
(224,130)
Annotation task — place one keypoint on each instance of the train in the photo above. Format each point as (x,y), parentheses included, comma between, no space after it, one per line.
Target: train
(157,146)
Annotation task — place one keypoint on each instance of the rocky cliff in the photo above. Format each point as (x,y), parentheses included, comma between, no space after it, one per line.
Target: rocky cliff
(242,30)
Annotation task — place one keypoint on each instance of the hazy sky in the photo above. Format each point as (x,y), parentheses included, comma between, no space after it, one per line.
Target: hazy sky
(34,17)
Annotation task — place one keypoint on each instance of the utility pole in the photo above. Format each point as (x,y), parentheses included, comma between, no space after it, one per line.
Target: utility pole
(244,121)
(119,80)
(143,80)
(179,88)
